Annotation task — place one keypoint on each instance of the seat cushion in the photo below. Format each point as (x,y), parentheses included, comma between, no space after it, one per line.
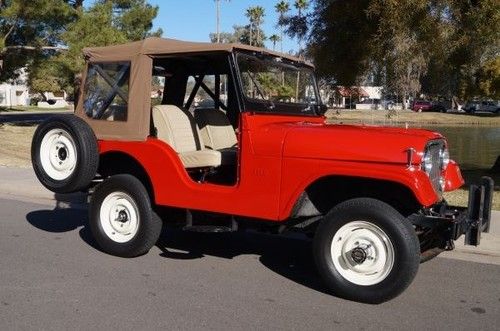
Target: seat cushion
(201,159)
(215,129)
(177,128)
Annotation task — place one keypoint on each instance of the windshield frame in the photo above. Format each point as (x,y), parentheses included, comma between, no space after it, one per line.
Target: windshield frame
(273,107)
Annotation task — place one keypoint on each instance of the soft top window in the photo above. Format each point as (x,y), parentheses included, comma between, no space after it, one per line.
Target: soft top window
(106,91)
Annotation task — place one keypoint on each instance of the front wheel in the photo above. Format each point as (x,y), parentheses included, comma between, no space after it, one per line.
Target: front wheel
(121,219)
(366,251)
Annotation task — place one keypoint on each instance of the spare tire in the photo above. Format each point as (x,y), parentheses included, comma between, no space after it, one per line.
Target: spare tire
(65,154)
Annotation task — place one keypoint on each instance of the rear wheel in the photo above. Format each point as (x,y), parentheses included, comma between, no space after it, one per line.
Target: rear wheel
(121,218)
(366,251)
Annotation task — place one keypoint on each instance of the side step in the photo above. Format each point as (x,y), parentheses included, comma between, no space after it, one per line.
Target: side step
(213,228)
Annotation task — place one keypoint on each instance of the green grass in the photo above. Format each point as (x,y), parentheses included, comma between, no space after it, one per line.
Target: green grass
(460,197)
(402,117)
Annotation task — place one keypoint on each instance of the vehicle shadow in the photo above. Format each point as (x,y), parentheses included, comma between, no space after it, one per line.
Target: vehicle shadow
(288,256)
(67,215)
(70,213)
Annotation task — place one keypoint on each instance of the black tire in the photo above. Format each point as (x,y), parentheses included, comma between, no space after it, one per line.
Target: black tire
(149,224)
(400,232)
(86,149)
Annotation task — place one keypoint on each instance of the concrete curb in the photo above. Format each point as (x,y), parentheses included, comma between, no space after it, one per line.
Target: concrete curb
(21,184)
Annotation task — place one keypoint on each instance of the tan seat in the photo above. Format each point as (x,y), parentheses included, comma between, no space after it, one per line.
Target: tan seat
(178,129)
(217,133)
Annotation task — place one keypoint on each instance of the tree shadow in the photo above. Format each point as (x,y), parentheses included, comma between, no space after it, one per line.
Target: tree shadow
(288,256)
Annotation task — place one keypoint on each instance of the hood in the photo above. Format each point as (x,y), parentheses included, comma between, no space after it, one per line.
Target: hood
(359,143)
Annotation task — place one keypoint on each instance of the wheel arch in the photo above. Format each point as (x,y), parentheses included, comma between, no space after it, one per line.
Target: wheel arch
(324,193)
(118,162)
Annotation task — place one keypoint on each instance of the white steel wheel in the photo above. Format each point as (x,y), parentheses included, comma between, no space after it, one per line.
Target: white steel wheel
(119,217)
(58,154)
(362,253)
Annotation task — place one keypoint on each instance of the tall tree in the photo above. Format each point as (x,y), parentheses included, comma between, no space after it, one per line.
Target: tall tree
(301,6)
(256,19)
(259,14)
(282,9)
(250,14)
(29,29)
(438,47)
(104,23)
(134,18)
(398,43)
(274,38)
(340,40)
(107,23)
(217,13)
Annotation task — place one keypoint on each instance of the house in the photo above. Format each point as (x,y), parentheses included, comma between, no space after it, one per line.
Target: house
(345,97)
(15,92)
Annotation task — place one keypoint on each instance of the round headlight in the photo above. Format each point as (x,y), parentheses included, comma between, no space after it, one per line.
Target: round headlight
(427,162)
(444,156)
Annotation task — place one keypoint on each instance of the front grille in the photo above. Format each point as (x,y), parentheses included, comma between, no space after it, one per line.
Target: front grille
(434,149)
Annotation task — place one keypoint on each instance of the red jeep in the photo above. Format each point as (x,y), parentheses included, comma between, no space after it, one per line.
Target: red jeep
(236,139)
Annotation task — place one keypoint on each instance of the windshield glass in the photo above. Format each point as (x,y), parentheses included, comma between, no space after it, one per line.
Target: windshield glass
(271,84)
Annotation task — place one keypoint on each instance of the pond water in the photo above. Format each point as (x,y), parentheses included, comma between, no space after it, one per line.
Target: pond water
(475,147)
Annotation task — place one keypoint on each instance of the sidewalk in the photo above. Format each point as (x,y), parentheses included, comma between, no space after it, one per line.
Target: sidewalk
(22,184)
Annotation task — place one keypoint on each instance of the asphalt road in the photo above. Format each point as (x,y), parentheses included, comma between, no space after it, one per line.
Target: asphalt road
(52,277)
(30,117)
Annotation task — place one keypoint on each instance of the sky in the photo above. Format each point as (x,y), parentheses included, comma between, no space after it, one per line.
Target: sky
(193,20)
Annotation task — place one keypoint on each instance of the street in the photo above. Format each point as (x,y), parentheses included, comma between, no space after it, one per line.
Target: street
(29,117)
(53,277)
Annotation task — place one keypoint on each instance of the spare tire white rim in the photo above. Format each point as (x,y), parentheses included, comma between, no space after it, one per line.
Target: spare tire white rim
(58,154)
(362,253)
(119,217)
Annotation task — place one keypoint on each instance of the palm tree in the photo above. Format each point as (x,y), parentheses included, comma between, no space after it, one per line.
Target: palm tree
(300,5)
(250,13)
(282,8)
(217,6)
(274,39)
(256,16)
(259,14)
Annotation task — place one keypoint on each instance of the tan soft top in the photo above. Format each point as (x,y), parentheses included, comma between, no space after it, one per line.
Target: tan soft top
(140,54)
(162,46)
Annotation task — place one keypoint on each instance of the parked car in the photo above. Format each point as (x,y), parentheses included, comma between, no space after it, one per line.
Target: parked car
(387,104)
(472,106)
(482,106)
(490,106)
(439,106)
(421,105)
(371,198)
